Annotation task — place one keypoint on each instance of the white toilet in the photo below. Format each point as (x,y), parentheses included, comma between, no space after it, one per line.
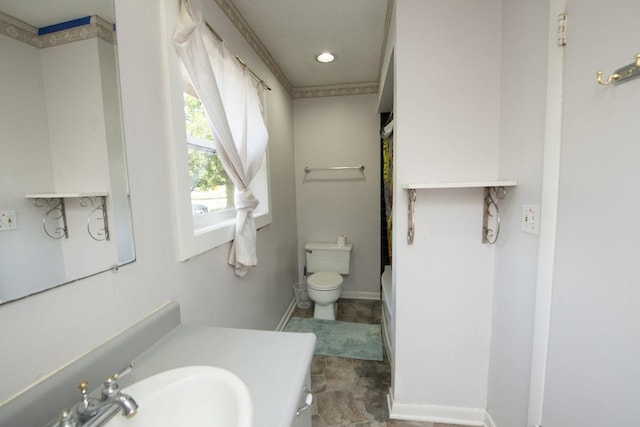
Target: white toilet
(327,261)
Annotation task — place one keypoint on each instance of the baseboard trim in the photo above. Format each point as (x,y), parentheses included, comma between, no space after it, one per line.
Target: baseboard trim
(286,316)
(360,295)
(488,421)
(347,294)
(435,413)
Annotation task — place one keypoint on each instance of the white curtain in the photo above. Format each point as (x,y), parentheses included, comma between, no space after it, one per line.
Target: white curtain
(232,106)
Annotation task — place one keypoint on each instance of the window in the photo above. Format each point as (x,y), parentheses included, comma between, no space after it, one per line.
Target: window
(211,188)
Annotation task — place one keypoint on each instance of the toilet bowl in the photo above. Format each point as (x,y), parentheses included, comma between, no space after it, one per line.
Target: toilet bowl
(327,262)
(324,289)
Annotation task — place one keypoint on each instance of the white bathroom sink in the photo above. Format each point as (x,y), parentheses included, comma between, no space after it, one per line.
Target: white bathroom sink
(189,397)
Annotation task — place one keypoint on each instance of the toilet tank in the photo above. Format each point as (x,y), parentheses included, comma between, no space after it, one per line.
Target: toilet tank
(328,257)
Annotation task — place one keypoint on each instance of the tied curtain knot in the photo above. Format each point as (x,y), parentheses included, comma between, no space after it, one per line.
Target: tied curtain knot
(245,201)
(243,252)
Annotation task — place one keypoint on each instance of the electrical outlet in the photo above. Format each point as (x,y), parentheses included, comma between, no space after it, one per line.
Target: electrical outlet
(8,221)
(531,219)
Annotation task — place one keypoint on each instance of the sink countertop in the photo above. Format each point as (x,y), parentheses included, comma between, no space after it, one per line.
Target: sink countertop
(273,365)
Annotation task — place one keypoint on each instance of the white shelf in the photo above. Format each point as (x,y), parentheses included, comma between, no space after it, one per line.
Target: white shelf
(469,184)
(493,191)
(63,195)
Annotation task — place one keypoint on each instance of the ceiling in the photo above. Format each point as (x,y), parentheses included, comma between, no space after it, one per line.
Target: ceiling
(288,34)
(294,32)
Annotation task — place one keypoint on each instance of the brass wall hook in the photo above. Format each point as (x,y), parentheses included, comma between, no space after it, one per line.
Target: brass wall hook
(610,79)
(623,74)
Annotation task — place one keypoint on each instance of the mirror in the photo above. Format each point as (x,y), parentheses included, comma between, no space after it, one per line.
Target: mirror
(64,199)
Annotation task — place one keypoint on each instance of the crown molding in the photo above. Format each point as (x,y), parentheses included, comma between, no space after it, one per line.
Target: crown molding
(365,88)
(28,34)
(97,27)
(16,29)
(250,36)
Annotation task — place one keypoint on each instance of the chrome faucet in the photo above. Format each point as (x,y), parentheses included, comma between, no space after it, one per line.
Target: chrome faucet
(92,412)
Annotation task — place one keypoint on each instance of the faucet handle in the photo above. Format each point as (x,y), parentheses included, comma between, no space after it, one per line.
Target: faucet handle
(110,385)
(84,395)
(66,419)
(125,371)
(88,406)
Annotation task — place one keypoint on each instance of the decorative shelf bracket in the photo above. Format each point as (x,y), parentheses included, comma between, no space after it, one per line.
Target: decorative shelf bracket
(493,192)
(411,229)
(491,214)
(97,222)
(55,213)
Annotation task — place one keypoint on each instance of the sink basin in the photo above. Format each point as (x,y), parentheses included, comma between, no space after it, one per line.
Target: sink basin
(189,397)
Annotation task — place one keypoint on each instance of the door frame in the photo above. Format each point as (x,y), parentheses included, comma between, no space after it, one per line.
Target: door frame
(549,211)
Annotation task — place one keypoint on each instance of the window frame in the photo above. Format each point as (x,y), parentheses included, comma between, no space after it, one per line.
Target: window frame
(219,229)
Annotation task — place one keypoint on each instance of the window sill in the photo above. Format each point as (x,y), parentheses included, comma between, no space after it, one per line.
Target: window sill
(213,236)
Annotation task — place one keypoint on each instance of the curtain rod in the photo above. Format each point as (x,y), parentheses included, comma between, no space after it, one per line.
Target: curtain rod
(244,64)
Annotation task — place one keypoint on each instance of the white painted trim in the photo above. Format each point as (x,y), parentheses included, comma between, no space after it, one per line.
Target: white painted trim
(287,315)
(390,401)
(386,339)
(549,215)
(488,421)
(468,184)
(435,413)
(361,295)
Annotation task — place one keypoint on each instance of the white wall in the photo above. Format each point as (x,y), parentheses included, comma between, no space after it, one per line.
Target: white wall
(73,91)
(25,167)
(78,138)
(594,344)
(340,131)
(524,44)
(447,104)
(44,331)
(448,84)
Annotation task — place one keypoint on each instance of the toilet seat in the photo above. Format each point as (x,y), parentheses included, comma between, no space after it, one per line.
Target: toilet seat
(324,281)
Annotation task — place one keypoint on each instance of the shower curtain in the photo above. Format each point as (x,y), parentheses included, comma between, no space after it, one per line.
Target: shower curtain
(387,177)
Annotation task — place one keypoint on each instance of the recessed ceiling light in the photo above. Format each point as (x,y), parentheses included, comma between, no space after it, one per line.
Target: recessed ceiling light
(325,57)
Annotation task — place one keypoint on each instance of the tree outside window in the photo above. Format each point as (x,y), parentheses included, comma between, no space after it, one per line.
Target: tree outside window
(211,188)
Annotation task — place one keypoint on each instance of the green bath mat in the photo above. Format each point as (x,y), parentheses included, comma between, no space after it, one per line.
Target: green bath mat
(342,339)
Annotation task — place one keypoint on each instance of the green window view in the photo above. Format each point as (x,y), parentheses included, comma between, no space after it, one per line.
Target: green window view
(211,188)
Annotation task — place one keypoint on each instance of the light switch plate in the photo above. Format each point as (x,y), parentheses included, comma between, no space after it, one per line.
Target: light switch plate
(531,219)
(8,221)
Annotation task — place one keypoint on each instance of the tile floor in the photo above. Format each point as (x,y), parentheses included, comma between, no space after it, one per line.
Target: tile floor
(351,392)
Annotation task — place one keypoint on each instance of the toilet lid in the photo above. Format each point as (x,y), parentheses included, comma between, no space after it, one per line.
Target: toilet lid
(324,281)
